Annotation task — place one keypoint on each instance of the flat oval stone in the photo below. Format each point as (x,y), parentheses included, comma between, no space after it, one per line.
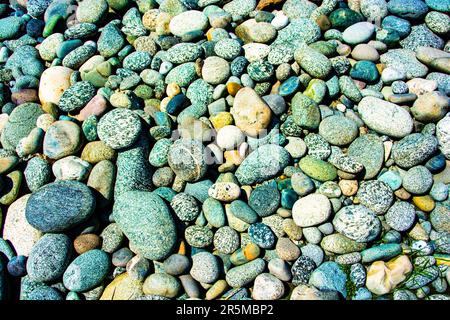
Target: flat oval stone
(414,149)
(318,169)
(146,221)
(60,206)
(119,128)
(242,275)
(205,267)
(401,216)
(340,244)
(87,271)
(358,33)
(311,210)
(262,164)
(385,117)
(49,258)
(76,96)
(188,24)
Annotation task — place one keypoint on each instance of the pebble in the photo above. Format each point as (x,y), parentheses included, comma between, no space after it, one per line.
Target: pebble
(132,206)
(119,128)
(86,271)
(375,195)
(311,210)
(386,118)
(329,276)
(60,206)
(49,258)
(267,287)
(357,223)
(401,216)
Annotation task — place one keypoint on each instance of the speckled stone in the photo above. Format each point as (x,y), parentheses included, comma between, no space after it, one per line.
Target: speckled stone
(49,258)
(312,61)
(242,275)
(418,180)
(404,59)
(414,149)
(87,271)
(262,235)
(183,52)
(262,164)
(302,269)
(155,238)
(198,236)
(133,169)
(205,267)
(185,207)
(119,128)
(375,195)
(37,173)
(59,206)
(301,30)
(385,117)
(329,276)
(357,223)
(338,130)
(264,200)
(421,36)
(401,216)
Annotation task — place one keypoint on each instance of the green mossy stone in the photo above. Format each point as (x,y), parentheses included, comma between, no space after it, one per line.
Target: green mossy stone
(146,221)
(87,271)
(318,169)
(111,41)
(305,112)
(343,18)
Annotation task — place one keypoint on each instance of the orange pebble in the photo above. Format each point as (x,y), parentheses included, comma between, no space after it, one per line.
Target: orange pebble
(233,88)
(182,248)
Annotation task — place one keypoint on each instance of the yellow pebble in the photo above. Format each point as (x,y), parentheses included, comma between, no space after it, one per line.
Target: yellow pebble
(251,251)
(380,67)
(164,103)
(216,290)
(424,203)
(50,108)
(221,119)
(233,88)
(172,89)
(233,156)
(209,34)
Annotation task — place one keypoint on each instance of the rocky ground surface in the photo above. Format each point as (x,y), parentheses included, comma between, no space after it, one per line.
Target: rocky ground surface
(215,149)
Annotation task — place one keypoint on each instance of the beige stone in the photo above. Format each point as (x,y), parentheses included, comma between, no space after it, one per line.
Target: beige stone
(54,81)
(123,287)
(251,114)
(17,229)
(383,277)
